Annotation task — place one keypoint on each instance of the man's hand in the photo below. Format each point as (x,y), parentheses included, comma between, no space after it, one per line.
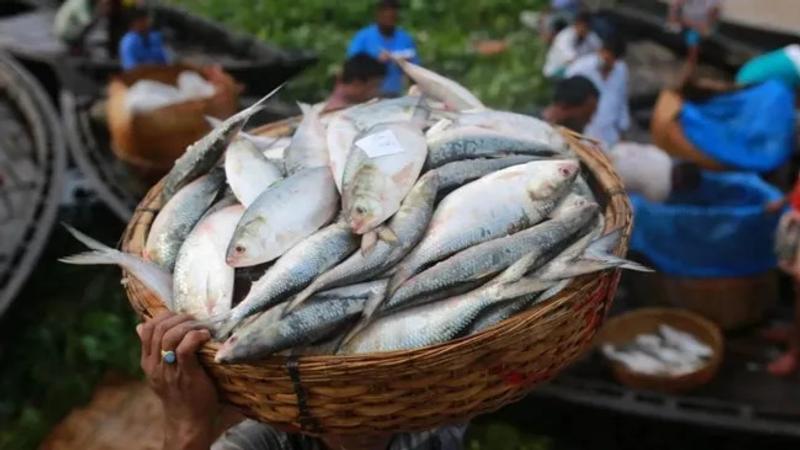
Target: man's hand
(186,391)
(384,56)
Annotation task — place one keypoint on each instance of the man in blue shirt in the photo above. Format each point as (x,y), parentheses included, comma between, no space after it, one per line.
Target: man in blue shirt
(384,40)
(141,45)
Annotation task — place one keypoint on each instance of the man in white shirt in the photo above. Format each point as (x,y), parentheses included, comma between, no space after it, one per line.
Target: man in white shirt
(570,44)
(609,73)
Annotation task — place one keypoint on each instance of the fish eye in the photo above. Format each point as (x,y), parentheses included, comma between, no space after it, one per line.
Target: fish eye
(239,249)
(361,210)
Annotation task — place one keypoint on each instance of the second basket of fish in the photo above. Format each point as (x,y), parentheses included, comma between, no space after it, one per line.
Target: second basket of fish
(393,266)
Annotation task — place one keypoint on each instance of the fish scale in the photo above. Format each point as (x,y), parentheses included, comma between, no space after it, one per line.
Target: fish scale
(293,271)
(521,196)
(179,216)
(488,258)
(474,142)
(408,225)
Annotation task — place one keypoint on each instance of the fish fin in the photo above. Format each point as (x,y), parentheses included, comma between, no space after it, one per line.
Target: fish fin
(518,269)
(90,242)
(606,244)
(90,258)
(401,275)
(213,122)
(374,302)
(388,235)
(422,112)
(298,300)
(305,108)
(368,241)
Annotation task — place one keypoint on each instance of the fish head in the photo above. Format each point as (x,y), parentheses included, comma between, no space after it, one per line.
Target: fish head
(554,176)
(247,245)
(364,214)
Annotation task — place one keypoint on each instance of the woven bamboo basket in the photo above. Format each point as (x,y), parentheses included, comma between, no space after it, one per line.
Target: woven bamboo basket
(623,329)
(150,142)
(731,303)
(423,388)
(669,136)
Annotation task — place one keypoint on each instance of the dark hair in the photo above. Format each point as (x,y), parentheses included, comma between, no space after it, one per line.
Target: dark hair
(574,91)
(584,17)
(615,44)
(362,67)
(387,4)
(135,13)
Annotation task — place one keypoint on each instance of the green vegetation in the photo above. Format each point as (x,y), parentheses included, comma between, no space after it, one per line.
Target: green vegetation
(502,436)
(445,31)
(68,327)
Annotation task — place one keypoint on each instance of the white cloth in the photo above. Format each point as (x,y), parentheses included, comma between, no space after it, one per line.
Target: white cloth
(612,116)
(793,52)
(566,49)
(645,169)
(697,10)
(149,95)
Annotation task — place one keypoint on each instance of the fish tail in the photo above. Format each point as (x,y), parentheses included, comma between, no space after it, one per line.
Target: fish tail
(90,242)
(100,253)
(93,258)
(305,108)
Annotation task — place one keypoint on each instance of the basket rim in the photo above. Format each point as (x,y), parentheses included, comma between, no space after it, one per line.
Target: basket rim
(618,214)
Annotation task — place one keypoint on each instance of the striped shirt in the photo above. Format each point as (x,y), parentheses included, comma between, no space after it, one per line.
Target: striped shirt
(252,435)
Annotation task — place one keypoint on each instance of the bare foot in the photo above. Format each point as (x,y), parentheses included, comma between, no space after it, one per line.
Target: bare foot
(785,365)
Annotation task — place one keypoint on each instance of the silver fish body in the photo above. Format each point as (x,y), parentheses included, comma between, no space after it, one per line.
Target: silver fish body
(457,173)
(377,184)
(521,196)
(286,213)
(408,225)
(309,147)
(203,282)
(545,240)
(517,125)
(295,270)
(178,216)
(323,315)
(452,94)
(431,323)
(248,172)
(201,156)
(461,143)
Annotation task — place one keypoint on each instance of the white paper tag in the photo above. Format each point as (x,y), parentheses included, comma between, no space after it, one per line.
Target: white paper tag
(380,144)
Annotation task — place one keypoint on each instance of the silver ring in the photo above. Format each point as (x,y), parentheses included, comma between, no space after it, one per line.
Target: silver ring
(168,356)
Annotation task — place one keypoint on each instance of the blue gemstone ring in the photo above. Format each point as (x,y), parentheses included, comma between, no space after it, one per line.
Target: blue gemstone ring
(168,356)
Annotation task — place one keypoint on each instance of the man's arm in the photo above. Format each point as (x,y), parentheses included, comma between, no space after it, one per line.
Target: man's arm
(625,117)
(674,11)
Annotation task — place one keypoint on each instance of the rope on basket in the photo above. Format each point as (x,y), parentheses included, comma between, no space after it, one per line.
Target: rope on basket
(307,421)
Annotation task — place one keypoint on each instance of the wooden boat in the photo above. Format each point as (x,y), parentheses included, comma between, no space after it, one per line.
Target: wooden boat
(32,164)
(78,82)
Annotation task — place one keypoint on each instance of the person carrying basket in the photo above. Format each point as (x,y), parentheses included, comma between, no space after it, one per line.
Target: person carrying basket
(195,420)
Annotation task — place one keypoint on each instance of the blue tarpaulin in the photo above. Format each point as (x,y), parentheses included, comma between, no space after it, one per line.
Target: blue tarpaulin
(749,130)
(717,230)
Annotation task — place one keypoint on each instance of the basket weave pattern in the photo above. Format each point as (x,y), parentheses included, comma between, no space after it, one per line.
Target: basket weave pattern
(423,388)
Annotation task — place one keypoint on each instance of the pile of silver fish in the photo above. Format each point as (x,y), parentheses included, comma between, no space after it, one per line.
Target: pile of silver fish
(667,352)
(393,224)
